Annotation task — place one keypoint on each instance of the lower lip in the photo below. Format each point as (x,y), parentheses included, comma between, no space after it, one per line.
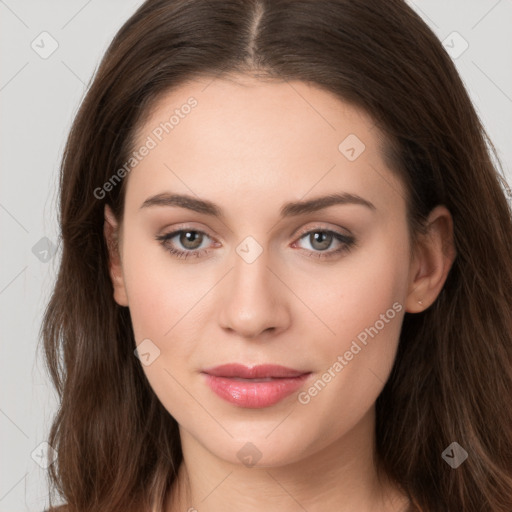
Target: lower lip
(254,395)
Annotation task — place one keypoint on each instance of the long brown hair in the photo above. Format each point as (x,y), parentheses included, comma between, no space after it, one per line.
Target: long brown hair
(118,448)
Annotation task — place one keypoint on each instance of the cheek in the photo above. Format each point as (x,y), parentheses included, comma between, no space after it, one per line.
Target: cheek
(363,287)
(161,303)
(365,310)
(357,362)
(167,306)
(364,307)
(159,293)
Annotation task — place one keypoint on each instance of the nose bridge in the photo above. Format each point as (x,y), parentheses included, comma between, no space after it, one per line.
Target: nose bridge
(251,271)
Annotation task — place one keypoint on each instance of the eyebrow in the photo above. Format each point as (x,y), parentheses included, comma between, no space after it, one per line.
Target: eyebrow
(287,210)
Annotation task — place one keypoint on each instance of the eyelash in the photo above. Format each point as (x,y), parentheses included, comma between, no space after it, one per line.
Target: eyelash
(348,242)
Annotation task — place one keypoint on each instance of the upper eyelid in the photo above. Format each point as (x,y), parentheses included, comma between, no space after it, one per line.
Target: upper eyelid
(305,231)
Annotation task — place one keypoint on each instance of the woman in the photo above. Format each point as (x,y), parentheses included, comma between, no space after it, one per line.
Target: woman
(286,279)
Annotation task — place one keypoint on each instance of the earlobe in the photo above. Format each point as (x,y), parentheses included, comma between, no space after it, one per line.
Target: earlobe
(111,234)
(434,256)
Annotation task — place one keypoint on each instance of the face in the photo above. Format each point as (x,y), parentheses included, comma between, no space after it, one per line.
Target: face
(320,291)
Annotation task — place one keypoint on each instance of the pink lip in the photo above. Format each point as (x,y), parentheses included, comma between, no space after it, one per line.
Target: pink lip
(268,384)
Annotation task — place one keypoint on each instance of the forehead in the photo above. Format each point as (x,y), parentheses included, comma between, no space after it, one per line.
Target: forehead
(242,106)
(256,137)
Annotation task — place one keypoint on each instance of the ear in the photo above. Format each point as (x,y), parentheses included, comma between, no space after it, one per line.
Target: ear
(111,233)
(434,256)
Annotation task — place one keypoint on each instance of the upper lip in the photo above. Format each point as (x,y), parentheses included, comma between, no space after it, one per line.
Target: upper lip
(254,372)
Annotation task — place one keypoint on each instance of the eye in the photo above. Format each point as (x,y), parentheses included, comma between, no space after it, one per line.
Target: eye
(321,239)
(190,239)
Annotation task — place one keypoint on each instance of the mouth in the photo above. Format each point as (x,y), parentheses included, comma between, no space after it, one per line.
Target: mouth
(254,387)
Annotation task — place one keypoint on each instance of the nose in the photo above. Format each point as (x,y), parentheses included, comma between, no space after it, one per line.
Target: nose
(253,299)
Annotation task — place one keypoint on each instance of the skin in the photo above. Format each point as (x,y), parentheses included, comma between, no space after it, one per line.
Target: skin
(250,146)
